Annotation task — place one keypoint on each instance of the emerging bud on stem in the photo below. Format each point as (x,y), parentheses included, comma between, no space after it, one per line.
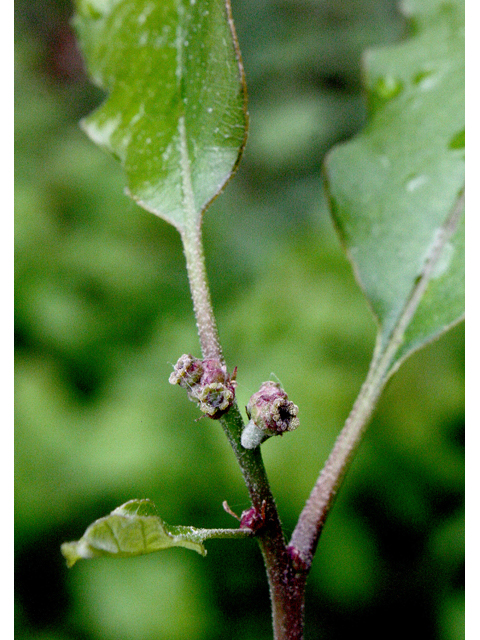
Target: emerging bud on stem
(271,413)
(207,382)
(253,519)
(299,564)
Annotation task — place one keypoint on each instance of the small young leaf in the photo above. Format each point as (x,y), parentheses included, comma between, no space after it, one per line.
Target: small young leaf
(176,111)
(135,529)
(396,190)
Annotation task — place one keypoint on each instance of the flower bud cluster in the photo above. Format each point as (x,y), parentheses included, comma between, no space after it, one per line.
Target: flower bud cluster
(271,413)
(207,383)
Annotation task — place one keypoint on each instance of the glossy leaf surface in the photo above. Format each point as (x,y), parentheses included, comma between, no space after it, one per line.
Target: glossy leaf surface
(396,189)
(175,115)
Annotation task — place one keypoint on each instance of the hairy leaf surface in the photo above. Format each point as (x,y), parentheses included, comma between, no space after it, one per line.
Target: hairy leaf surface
(175,115)
(396,189)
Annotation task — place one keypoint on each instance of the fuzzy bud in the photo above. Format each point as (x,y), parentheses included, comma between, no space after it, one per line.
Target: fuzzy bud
(253,518)
(207,382)
(271,413)
(187,372)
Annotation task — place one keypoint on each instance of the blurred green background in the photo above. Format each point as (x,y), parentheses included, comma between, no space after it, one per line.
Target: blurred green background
(103,310)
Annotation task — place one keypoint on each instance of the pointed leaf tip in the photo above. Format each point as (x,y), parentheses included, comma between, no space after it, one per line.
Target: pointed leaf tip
(175,115)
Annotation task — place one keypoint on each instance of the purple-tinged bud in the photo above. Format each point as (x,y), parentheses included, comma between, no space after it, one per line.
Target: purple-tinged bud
(215,398)
(253,518)
(207,382)
(187,372)
(298,563)
(271,413)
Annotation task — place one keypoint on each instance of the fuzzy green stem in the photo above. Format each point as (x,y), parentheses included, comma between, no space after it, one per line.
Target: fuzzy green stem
(202,304)
(286,592)
(191,234)
(208,534)
(286,589)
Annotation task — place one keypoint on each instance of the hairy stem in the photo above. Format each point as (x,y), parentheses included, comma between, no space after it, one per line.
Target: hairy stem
(207,534)
(286,589)
(192,245)
(312,519)
(202,304)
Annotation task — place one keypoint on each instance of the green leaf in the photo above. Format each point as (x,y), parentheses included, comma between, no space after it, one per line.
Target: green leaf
(396,190)
(135,529)
(176,111)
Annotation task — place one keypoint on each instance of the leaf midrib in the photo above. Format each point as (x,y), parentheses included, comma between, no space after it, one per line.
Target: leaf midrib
(188,197)
(443,235)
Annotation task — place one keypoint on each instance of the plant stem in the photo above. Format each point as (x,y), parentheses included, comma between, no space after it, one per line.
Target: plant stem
(312,519)
(286,591)
(207,534)
(191,233)
(286,587)
(202,304)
